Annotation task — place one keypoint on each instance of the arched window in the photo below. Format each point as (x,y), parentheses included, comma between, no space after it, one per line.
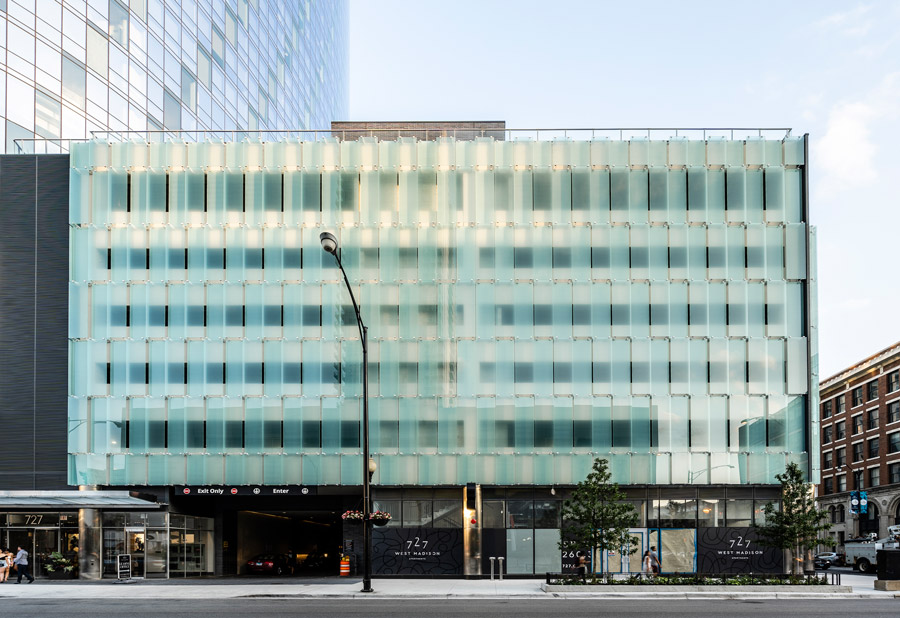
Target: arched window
(833,514)
(840,514)
(868,521)
(897,515)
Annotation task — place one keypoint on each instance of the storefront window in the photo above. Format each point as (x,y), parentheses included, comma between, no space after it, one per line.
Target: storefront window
(546,514)
(447,514)
(547,557)
(190,550)
(392,507)
(712,513)
(113,545)
(520,551)
(676,513)
(740,513)
(759,513)
(417,513)
(493,514)
(161,545)
(41,534)
(520,514)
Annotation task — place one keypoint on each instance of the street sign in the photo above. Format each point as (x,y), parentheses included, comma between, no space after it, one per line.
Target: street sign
(863,502)
(124,564)
(244,490)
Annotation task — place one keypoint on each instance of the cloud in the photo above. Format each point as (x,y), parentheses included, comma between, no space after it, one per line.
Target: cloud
(847,150)
(847,22)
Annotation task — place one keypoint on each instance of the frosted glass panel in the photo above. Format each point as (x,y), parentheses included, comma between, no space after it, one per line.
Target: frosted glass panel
(526,300)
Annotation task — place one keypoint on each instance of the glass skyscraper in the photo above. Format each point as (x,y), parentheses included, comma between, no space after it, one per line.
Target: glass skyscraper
(531,305)
(70,67)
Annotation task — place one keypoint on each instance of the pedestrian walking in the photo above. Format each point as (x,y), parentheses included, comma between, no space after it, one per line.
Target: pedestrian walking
(582,568)
(21,562)
(6,559)
(654,560)
(647,565)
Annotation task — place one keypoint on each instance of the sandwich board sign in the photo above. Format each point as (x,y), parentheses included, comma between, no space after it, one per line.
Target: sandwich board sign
(124,564)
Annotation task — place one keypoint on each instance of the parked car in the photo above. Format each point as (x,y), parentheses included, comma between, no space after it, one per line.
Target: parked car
(821,564)
(271,564)
(833,557)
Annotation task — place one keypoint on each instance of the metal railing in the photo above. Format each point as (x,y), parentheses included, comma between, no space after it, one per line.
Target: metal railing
(700,579)
(50,146)
(618,133)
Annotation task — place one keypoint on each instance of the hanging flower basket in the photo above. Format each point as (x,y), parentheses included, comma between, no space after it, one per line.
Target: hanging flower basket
(380,518)
(354,517)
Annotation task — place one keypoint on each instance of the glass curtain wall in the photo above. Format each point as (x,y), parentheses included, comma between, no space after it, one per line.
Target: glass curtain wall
(72,67)
(530,304)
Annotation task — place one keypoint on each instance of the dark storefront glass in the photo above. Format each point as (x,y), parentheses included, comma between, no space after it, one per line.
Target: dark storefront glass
(447,514)
(520,514)
(546,514)
(493,514)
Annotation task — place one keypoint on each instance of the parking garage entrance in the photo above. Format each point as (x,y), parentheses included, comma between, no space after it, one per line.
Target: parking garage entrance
(266,530)
(287,542)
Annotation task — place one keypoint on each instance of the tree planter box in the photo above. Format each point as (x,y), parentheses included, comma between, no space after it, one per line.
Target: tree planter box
(721,589)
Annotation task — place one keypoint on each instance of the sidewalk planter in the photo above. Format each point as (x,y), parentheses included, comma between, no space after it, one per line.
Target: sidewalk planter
(602,589)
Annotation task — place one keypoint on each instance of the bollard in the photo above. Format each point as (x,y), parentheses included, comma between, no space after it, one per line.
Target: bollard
(493,558)
(501,567)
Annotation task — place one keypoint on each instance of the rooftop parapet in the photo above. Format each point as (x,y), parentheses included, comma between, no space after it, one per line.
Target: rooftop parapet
(566,149)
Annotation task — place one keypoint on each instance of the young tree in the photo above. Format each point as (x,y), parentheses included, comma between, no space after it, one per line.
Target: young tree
(796,526)
(595,516)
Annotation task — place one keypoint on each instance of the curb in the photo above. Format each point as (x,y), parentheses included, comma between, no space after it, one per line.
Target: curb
(550,596)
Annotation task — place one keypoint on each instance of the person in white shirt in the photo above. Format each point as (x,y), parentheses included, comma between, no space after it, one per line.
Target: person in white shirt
(6,559)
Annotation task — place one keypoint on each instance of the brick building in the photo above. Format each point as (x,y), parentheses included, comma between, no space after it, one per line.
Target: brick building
(860,437)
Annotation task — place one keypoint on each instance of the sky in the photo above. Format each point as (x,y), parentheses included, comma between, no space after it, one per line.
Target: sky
(830,69)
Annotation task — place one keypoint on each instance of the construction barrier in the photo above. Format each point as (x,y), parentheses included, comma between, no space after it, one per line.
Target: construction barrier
(345,566)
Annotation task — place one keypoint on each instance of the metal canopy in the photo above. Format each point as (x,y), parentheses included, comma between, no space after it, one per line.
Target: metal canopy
(72,500)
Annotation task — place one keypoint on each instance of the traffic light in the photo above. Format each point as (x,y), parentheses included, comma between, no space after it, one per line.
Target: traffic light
(854,502)
(863,503)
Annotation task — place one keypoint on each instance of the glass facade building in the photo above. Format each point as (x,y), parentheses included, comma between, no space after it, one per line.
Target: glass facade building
(70,67)
(531,304)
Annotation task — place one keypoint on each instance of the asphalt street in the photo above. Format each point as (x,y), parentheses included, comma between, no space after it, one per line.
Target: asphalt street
(442,608)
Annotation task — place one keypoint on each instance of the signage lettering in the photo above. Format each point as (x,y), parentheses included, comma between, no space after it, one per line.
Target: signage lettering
(124,566)
(734,550)
(421,551)
(289,490)
(36,519)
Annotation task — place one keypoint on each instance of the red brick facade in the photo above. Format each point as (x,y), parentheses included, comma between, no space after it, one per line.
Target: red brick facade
(866,413)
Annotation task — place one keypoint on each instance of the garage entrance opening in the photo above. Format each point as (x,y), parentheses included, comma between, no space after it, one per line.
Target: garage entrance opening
(301,543)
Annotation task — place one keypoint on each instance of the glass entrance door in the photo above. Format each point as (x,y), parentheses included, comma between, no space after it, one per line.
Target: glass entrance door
(46,541)
(135,544)
(23,539)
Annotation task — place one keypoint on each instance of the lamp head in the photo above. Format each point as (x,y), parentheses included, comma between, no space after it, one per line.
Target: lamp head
(329,242)
(372,466)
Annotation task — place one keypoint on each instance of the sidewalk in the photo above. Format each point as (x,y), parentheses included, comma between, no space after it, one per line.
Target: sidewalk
(236,588)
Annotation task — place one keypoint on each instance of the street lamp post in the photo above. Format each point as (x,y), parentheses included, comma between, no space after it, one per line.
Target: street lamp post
(330,245)
(692,475)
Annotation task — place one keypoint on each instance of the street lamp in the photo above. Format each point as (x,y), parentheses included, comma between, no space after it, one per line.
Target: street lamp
(692,475)
(330,245)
